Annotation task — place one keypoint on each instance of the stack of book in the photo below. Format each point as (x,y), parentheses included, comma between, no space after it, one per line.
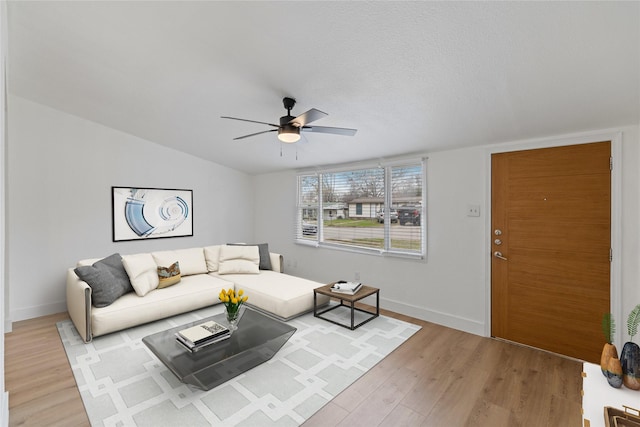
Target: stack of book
(202,335)
(349,288)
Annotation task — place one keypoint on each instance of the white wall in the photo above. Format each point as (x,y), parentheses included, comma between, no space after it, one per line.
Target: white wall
(60,172)
(4,396)
(61,169)
(451,287)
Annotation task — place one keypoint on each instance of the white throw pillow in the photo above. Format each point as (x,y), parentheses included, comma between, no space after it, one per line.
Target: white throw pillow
(239,260)
(142,271)
(90,261)
(212,255)
(191,260)
(238,266)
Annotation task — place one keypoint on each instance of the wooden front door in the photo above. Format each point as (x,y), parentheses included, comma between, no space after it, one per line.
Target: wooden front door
(551,229)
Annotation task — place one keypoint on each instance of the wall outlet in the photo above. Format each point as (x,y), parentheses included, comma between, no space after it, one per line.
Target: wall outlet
(473,210)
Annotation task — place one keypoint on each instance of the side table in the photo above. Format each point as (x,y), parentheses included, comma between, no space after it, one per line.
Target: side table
(350,301)
(597,393)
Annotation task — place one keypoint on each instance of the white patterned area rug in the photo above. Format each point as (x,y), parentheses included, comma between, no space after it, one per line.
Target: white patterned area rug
(123,384)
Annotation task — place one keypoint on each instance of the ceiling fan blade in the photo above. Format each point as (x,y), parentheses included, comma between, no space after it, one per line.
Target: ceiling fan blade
(251,121)
(254,134)
(325,129)
(307,117)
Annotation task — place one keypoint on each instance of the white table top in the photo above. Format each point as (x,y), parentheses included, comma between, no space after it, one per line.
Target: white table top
(597,393)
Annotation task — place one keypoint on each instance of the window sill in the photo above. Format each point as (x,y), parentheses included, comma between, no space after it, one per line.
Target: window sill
(365,251)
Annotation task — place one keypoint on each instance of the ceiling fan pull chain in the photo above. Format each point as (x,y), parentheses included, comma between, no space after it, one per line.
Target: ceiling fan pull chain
(296,152)
(281,149)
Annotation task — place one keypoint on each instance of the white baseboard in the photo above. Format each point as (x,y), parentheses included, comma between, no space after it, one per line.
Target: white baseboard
(4,409)
(456,322)
(37,311)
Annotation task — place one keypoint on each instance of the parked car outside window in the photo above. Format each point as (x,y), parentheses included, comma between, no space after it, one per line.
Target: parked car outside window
(393,215)
(409,215)
(309,229)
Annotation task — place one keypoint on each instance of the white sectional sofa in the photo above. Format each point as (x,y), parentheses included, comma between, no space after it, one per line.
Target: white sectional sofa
(98,306)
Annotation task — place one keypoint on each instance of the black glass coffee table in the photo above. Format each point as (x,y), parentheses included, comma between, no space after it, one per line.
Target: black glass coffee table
(257,339)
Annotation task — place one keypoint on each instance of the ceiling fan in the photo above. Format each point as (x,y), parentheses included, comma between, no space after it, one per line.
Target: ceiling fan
(290,127)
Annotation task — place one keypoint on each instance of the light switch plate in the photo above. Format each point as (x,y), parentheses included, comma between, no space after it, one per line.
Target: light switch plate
(473,210)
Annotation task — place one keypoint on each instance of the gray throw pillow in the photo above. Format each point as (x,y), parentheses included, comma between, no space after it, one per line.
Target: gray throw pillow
(107,278)
(263,249)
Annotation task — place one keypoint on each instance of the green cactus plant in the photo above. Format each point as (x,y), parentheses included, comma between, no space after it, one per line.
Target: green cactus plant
(608,327)
(633,321)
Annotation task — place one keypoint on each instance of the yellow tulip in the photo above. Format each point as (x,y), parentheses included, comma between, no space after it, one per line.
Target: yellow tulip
(245,299)
(234,301)
(240,292)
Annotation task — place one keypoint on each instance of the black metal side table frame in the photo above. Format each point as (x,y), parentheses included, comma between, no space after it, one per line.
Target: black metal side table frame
(364,292)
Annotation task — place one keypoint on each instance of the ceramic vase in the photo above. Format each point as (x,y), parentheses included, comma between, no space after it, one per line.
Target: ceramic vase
(614,372)
(630,361)
(608,351)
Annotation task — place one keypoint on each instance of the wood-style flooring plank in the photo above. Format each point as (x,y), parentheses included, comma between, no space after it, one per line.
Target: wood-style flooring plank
(38,377)
(401,416)
(383,400)
(440,376)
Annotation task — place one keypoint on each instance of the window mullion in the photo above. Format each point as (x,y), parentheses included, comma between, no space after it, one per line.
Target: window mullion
(320,208)
(387,208)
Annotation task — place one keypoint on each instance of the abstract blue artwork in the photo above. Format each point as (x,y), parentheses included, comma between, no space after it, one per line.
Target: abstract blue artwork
(145,213)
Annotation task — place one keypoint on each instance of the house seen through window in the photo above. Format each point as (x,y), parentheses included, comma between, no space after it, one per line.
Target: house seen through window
(378,209)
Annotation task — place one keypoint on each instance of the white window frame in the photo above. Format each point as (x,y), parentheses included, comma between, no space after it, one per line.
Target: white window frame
(386,250)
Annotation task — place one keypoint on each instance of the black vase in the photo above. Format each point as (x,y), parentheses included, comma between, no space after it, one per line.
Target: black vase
(630,361)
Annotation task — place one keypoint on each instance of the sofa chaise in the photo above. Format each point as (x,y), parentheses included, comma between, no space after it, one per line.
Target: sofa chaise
(118,292)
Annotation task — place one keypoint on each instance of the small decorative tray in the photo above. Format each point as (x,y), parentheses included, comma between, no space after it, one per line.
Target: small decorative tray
(629,417)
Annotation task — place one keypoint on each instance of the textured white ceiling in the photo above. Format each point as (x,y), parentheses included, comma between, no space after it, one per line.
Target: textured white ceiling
(410,76)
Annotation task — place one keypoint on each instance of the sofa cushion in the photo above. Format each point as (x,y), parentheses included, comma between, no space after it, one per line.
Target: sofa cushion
(212,256)
(191,261)
(239,260)
(168,276)
(88,261)
(142,271)
(263,250)
(191,293)
(107,278)
(280,294)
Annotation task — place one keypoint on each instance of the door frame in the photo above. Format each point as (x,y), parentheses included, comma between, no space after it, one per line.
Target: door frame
(616,210)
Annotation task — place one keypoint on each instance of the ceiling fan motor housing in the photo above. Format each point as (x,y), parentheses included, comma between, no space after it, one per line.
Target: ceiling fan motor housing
(284,120)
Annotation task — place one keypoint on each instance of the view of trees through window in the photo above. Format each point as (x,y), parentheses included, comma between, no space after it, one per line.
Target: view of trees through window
(376,208)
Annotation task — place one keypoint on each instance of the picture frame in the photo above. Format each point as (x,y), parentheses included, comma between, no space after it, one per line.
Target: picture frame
(151,213)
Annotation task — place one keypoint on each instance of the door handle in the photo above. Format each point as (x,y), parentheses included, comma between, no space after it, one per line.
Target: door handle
(498,254)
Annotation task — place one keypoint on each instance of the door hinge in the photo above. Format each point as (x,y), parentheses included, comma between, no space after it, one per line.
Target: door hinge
(610,254)
(611,163)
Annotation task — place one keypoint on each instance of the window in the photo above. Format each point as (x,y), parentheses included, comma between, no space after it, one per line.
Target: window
(377,210)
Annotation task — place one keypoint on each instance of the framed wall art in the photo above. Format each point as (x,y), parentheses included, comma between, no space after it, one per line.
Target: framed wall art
(151,213)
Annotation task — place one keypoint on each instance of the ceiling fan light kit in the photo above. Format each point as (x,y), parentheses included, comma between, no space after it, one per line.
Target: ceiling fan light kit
(289,134)
(290,127)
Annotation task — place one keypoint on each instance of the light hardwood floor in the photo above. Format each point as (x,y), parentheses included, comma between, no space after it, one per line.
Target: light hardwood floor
(439,377)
